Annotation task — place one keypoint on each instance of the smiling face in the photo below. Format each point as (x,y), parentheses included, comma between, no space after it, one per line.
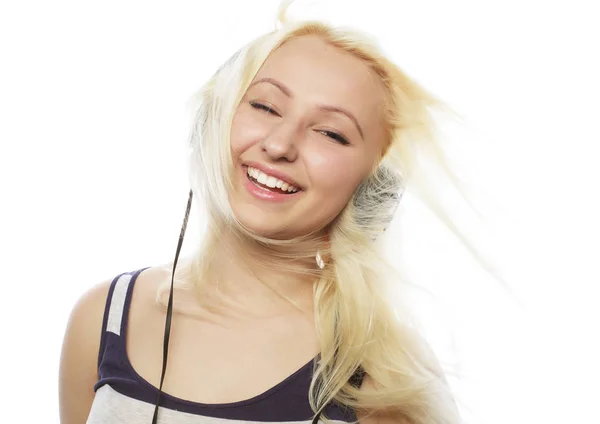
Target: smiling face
(311,124)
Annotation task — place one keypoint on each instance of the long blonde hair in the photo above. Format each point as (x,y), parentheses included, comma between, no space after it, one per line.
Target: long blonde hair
(358,327)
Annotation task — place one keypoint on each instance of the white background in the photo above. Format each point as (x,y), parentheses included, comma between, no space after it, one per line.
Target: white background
(93,130)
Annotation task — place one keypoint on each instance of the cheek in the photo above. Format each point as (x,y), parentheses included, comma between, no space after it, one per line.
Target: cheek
(245,131)
(335,176)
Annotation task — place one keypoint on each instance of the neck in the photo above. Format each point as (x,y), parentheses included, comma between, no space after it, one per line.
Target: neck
(260,279)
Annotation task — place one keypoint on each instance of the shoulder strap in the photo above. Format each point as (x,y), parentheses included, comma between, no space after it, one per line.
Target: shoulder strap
(107,313)
(117,307)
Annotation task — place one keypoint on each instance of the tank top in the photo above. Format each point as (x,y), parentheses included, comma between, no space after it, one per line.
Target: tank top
(123,396)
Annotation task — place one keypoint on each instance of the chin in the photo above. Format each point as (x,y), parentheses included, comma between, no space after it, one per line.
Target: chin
(276,220)
(260,222)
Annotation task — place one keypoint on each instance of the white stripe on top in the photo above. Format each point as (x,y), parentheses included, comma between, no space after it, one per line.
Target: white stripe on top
(117,303)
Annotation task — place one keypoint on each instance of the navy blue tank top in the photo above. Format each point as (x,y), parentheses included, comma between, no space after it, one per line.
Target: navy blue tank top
(123,396)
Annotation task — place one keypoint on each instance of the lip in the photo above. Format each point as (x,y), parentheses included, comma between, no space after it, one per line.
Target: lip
(264,194)
(275,173)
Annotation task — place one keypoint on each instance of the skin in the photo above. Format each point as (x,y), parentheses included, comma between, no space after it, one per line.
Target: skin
(290,132)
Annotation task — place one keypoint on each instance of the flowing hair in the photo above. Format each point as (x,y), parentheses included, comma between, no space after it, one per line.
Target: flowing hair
(360,330)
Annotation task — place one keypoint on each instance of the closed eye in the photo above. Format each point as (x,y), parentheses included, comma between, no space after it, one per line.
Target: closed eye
(331,134)
(335,136)
(266,108)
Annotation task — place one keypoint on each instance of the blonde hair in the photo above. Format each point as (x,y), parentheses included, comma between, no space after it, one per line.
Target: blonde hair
(358,327)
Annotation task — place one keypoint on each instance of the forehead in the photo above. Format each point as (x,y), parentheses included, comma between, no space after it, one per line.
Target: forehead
(319,72)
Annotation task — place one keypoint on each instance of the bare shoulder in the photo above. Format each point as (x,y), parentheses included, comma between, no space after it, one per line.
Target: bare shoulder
(79,356)
(145,291)
(151,283)
(149,280)
(78,371)
(85,321)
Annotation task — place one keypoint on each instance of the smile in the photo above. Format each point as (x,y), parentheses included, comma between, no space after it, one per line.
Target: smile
(267,187)
(269,182)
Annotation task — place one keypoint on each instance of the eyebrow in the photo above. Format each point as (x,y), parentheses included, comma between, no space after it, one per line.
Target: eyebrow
(327,108)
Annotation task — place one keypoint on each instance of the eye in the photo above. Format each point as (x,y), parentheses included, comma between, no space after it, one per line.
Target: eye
(335,136)
(266,108)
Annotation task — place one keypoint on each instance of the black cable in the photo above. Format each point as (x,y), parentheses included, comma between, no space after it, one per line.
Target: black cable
(170,309)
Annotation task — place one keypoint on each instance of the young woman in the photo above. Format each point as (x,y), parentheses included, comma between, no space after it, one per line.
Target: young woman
(302,145)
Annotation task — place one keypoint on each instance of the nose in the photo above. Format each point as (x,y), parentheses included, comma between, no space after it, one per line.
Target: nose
(281,143)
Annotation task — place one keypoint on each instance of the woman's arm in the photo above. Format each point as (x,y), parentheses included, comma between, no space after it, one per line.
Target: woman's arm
(79,357)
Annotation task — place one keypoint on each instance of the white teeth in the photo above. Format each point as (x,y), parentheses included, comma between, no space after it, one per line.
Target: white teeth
(270,181)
